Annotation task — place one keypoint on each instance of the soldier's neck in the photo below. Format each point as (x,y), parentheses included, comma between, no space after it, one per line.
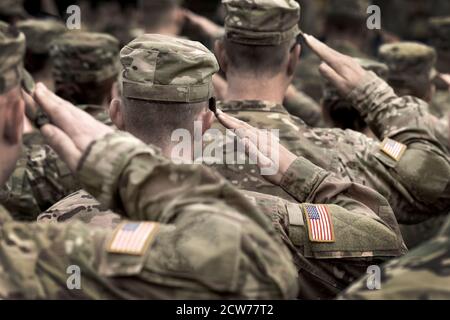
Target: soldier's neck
(249,88)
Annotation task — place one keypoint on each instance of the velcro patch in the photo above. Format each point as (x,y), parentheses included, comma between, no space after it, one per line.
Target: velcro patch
(132,238)
(393,149)
(320,223)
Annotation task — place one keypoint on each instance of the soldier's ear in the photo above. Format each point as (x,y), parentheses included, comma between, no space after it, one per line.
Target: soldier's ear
(219,50)
(116,114)
(294,57)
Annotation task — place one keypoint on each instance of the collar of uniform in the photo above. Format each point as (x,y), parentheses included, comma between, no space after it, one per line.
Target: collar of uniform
(251,105)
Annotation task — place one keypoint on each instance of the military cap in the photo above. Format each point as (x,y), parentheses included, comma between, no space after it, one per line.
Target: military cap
(347,9)
(84,57)
(409,62)
(12,8)
(261,22)
(12,51)
(40,33)
(440,33)
(164,68)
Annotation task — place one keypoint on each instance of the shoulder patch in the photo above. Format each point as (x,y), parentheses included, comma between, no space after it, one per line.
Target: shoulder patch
(393,149)
(132,238)
(320,223)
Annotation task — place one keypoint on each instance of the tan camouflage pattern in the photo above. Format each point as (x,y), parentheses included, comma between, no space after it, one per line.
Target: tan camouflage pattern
(164,68)
(12,51)
(324,269)
(82,57)
(195,208)
(356,157)
(408,62)
(40,34)
(39,180)
(261,22)
(423,274)
(304,107)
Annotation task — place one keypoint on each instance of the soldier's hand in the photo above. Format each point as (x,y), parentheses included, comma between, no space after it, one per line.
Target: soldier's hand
(340,70)
(71,130)
(208,27)
(267,150)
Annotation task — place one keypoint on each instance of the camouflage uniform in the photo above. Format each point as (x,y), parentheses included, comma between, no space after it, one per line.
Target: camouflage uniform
(422,274)
(304,107)
(324,269)
(198,237)
(176,77)
(337,109)
(41,178)
(360,159)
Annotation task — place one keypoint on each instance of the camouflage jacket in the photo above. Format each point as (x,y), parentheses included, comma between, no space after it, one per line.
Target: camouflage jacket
(304,107)
(41,178)
(422,274)
(198,238)
(360,159)
(365,231)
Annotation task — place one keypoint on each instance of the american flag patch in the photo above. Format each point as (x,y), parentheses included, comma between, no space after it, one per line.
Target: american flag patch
(320,225)
(393,148)
(132,238)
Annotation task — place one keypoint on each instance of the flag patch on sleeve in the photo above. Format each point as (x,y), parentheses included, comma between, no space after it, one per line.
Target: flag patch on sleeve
(393,149)
(320,223)
(132,238)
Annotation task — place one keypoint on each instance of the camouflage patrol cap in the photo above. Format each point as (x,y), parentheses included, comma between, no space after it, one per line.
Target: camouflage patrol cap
(440,32)
(409,62)
(12,51)
(82,57)
(12,8)
(261,22)
(40,33)
(164,68)
(347,9)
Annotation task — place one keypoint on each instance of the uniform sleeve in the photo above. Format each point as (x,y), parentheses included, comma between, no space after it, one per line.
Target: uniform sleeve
(39,180)
(309,183)
(424,168)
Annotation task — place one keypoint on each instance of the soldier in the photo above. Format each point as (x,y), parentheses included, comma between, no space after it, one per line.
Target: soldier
(411,69)
(39,35)
(163,17)
(85,68)
(423,274)
(215,246)
(152,107)
(394,167)
(339,112)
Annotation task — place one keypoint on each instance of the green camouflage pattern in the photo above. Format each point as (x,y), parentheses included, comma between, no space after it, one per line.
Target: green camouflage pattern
(261,22)
(423,274)
(324,269)
(359,159)
(12,51)
(212,242)
(163,68)
(82,57)
(408,62)
(304,107)
(39,180)
(40,34)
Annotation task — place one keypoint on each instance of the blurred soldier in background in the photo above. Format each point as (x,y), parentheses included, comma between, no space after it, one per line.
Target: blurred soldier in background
(85,69)
(11,11)
(39,35)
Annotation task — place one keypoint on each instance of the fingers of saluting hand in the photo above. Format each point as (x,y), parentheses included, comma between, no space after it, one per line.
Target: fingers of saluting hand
(332,57)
